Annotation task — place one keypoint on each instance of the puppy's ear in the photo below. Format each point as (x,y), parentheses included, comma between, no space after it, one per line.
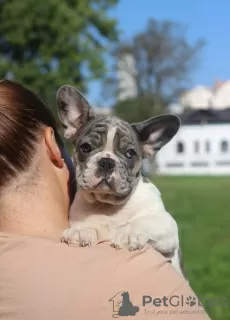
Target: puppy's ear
(73,110)
(154,133)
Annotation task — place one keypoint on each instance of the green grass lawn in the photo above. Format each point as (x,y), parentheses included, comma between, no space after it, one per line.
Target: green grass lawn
(201,207)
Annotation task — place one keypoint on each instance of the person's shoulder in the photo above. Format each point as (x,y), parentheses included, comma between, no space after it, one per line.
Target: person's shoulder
(147,257)
(130,267)
(101,250)
(141,277)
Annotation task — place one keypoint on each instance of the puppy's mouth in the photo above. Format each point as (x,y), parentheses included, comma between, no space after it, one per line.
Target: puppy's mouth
(104,186)
(103,183)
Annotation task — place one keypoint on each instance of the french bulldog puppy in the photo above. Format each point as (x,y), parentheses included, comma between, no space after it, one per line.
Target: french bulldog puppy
(114,201)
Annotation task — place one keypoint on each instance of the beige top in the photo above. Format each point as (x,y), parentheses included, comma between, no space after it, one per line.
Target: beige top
(44,279)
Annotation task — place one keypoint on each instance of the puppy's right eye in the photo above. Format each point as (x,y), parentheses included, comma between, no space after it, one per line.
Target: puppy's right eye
(85,147)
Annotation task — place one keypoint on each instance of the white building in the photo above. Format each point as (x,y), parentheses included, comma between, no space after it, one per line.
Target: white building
(201,97)
(201,146)
(221,98)
(198,97)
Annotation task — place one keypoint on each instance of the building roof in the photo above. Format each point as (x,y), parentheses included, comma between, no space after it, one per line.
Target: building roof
(211,115)
(217,96)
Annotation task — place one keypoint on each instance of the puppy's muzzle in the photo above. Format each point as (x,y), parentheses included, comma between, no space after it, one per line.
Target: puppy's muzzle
(106,165)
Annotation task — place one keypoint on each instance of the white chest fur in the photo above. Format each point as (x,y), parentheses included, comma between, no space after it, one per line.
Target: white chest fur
(141,220)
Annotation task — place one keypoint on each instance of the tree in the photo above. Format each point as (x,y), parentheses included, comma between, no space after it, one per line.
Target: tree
(163,59)
(47,43)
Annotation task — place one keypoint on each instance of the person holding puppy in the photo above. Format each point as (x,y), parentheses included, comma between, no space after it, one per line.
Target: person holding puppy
(42,278)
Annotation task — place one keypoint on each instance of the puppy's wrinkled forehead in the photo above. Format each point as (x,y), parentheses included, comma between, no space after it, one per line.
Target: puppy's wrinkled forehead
(107,133)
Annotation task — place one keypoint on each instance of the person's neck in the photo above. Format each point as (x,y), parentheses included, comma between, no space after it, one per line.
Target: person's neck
(36,212)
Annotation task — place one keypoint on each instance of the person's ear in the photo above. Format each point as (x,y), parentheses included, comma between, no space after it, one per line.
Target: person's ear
(52,148)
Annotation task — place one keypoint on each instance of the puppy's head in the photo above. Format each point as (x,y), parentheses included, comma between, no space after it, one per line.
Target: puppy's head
(107,150)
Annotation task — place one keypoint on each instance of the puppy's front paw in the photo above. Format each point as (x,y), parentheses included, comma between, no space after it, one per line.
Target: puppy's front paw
(79,236)
(126,237)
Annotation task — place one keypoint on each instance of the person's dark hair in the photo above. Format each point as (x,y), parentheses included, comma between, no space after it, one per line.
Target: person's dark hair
(22,117)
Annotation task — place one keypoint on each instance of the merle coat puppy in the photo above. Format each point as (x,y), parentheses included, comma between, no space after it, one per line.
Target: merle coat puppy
(114,201)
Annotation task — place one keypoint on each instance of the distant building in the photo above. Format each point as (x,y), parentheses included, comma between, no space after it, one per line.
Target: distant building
(217,97)
(198,97)
(201,147)
(221,98)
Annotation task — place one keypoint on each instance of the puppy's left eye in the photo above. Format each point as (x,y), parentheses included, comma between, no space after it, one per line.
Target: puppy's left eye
(130,154)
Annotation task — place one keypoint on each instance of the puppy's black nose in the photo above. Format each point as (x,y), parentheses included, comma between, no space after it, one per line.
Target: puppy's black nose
(106,164)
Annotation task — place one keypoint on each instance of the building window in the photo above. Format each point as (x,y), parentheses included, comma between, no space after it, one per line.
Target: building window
(174,164)
(224,146)
(180,147)
(207,146)
(199,164)
(196,146)
(223,163)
